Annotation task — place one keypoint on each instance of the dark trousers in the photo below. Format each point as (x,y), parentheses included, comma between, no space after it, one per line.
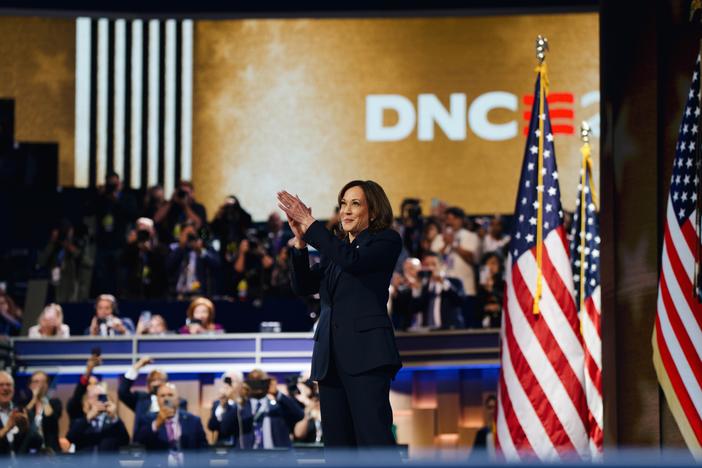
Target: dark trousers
(356,409)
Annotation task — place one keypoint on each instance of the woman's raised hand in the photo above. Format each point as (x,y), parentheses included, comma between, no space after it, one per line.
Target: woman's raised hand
(299,216)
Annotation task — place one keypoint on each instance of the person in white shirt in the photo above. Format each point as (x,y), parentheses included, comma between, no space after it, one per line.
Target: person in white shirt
(50,324)
(230,389)
(496,240)
(441,297)
(461,253)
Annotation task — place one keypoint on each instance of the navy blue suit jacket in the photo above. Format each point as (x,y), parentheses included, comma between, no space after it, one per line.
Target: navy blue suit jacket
(352,280)
(192,435)
(139,402)
(109,438)
(237,422)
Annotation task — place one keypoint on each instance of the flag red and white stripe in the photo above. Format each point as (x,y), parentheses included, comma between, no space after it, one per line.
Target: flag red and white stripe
(542,410)
(677,333)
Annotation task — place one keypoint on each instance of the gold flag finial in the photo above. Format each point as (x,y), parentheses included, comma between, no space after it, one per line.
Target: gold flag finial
(585,132)
(695,6)
(542,47)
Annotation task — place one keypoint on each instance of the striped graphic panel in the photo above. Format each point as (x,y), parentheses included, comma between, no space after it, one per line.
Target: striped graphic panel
(133,101)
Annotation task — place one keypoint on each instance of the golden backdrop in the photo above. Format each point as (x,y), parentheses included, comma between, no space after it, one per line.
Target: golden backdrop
(282,104)
(37,70)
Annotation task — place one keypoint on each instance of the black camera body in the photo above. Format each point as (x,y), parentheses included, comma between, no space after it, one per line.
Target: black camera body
(143,235)
(182,193)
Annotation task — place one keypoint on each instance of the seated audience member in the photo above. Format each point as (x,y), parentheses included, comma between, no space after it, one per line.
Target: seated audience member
(74,406)
(180,208)
(17,435)
(405,288)
(50,324)
(10,315)
(190,264)
(230,393)
(491,291)
(143,404)
(265,418)
(106,322)
(484,439)
(44,412)
(496,240)
(171,429)
(200,318)
(100,429)
(155,325)
(441,296)
(144,263)
(64,259)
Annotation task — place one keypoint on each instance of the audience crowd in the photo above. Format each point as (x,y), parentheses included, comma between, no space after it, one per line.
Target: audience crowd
(255,412)
(449,275)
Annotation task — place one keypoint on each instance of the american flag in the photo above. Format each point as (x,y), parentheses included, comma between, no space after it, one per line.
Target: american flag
(542,411)
(585,258)
(677,333)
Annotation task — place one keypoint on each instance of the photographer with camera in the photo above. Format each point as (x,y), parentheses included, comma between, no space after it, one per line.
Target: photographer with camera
(253,268)
(144,263)
(100,429)
(190,264)
(441,296)
(171,429)
(106,322)
(265,419)
(411,225)
(17,435)
(230,395)
(63,258)
(143,403)
(180,208)
(115,210)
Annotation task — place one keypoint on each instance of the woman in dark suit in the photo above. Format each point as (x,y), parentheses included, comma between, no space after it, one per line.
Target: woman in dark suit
(355,356)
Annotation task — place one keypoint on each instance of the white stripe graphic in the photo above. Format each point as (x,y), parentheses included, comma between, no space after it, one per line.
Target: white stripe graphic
(120,94)
(153,115)
(102,98)
(169,107)
(137,92)
(81,175)
(186,102)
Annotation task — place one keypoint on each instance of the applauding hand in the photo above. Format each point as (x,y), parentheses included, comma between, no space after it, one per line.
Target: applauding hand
(299,216)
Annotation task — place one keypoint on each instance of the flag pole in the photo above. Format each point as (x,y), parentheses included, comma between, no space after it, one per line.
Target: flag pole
(585,168)
(541,49)
(695,7)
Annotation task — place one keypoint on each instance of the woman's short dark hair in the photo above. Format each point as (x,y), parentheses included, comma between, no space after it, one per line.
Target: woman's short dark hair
(379,209)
